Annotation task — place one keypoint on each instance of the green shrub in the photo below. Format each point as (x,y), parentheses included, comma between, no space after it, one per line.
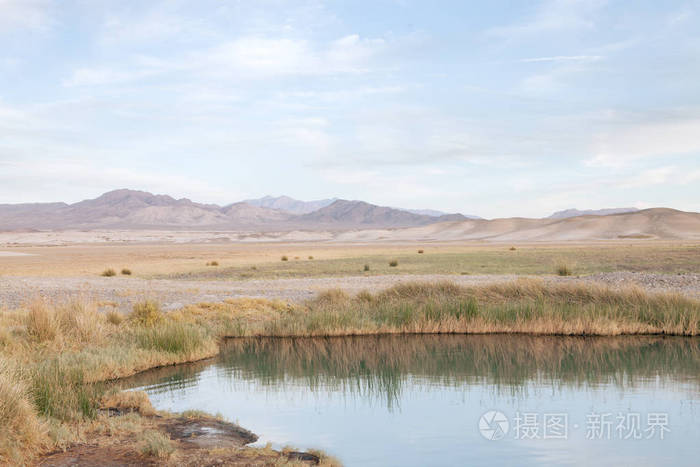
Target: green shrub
(366,268)
(563,270)
(393,263)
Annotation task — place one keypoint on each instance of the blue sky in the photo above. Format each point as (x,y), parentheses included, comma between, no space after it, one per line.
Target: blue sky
(489,108)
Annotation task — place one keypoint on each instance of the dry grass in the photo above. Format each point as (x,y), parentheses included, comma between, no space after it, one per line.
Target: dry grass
(563,270)
(156,444)
(128,401)
(109,273)
(524,306)
(20,427)
(114,317)
(126,272)
(146,313)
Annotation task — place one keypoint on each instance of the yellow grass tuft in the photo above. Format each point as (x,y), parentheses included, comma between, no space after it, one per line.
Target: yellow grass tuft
(146,313)
(128,401)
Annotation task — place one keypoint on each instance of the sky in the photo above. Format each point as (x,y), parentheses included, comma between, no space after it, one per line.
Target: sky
(498,108)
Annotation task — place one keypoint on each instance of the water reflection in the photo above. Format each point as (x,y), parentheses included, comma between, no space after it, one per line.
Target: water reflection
(406,399)
(378,367)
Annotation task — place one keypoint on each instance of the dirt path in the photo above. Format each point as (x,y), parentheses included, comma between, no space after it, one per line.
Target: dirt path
(123,292)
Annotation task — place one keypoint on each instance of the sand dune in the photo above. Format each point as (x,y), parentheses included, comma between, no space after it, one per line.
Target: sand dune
(657,223)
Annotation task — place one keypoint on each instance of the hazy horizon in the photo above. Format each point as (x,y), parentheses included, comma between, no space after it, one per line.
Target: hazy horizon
(490,109)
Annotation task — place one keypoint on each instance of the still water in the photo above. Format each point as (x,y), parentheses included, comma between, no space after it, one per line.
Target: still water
(454,400)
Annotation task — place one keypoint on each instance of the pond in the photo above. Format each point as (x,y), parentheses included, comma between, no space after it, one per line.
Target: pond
(454,399)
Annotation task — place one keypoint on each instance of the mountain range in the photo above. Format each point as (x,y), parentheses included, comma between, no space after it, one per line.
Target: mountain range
(131,209)
(284,219)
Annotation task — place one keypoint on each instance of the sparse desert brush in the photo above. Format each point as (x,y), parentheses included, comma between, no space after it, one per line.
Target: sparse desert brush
(109,272)
(156,444)
(311,257)
(512,248)
(366,268)
(126,272)
(393,263)
(420,252)
(114,317)
(284,258)
(147,313)
(563,269)
(128,401)
(213,263)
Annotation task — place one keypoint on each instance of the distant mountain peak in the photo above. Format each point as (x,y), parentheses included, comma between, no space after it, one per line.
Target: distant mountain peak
(289,204)
(573,212)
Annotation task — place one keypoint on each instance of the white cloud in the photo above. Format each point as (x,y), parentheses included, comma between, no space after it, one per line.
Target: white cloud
(552,16)
(657,176)
(619,147)
(563,58)
(244,57)
(25,14)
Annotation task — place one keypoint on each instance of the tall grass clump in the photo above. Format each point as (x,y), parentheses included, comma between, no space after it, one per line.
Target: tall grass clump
(393,263)
(21,432)
(563,270)
(156,444)
(61,392)
(172,337)
(146,313)
(114,317)
(126,272)
(366,267)
(41,322)
(109,272)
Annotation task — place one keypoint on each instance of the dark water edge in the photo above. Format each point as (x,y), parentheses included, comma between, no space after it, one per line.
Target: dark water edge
(418,400)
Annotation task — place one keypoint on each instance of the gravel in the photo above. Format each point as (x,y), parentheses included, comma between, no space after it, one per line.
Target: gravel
(172,294)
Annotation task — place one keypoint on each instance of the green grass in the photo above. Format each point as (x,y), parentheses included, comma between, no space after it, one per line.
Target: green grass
(526,260)
(172,337)
(526,306)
